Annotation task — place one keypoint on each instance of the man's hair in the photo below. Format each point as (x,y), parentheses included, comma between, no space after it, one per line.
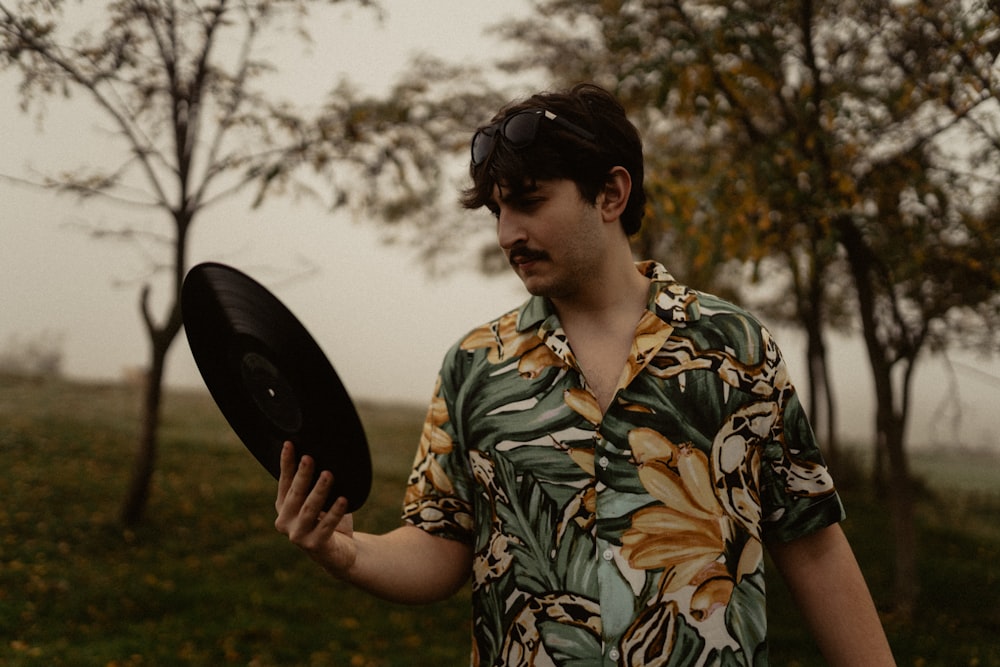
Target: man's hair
(560,153)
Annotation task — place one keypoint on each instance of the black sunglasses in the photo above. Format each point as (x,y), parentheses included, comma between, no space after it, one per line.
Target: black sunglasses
(520,130)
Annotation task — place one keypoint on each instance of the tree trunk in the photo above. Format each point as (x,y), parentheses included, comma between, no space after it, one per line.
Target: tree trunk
(832,436)
(901,502)
(137,497)
(160,340)
(809,295)
(890,422)
(897,490)
(821,399)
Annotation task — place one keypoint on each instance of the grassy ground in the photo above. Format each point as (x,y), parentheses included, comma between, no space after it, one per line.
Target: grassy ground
(207,580)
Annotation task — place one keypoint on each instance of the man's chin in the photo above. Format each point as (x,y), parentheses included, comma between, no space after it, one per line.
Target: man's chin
(538,286)
(537,278)
(531,283)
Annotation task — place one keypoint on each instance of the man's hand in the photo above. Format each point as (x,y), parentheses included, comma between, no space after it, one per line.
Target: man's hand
(328,537)
(407,565)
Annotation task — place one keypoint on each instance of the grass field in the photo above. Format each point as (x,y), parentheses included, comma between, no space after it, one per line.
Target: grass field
(207,580)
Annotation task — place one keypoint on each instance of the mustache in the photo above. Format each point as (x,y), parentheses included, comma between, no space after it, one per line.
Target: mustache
(521,254)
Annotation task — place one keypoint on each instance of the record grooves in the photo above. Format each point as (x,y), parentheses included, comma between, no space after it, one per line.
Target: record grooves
(271,380)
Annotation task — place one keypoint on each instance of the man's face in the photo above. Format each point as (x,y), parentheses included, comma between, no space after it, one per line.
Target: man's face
(551,236)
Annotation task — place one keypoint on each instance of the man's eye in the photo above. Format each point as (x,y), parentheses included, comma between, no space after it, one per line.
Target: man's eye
(530,203)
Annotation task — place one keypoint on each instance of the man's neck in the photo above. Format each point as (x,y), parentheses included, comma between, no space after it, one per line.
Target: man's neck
(609,298)
(601,330)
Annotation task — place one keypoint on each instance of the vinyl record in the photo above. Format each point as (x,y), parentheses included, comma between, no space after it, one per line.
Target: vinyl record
(271,380)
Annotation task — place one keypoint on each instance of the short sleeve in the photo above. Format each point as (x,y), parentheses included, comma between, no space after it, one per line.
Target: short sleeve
(798,496)
(438,492)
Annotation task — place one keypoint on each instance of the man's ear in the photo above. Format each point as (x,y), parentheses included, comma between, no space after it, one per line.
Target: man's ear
(614,197)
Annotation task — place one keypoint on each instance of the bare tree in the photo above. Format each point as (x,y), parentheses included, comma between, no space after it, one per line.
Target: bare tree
(180,84)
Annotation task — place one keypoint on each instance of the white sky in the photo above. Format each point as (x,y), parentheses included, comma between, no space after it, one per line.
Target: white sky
(383,323)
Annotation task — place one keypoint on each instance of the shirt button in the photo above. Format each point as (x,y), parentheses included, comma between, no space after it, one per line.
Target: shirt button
(614,654)
(603,462)
(608,554)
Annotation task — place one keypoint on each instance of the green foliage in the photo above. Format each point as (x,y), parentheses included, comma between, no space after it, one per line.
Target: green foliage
(210,582)
(766,122)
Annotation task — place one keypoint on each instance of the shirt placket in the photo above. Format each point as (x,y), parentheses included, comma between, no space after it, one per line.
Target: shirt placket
(554,338)
(607,554)
(651,335)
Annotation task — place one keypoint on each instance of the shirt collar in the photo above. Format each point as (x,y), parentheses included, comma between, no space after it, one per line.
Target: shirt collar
(670,301)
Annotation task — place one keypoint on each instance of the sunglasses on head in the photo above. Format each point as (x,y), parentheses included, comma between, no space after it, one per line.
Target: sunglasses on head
(519,130)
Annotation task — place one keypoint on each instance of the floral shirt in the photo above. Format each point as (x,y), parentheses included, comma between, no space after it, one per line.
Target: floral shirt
(632,537)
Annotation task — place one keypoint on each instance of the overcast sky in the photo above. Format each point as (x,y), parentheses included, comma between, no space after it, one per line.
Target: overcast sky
(383,323)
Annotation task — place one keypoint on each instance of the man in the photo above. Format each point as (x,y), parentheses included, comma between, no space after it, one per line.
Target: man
(609,460)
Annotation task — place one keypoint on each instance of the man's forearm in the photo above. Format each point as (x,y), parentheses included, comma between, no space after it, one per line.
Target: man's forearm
(409,565)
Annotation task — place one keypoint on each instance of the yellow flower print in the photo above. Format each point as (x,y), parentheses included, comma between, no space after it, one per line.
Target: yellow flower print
(677,476)
(434,438)
(505,342)
(650,335)
(583,457)
(502,338)
(537,360)
(583,403)
(685,535)
(434,441)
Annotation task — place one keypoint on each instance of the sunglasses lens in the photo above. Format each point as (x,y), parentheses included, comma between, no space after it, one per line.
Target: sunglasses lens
(520,129)
(482,144)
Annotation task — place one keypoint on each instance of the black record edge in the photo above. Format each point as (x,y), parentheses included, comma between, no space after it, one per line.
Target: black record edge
(271,380)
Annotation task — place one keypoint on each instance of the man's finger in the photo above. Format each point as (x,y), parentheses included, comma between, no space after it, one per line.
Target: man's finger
(301,482)
(333,516)
(287,471)
(312,508)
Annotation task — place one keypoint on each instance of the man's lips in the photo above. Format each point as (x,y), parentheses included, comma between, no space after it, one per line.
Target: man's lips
(521,256)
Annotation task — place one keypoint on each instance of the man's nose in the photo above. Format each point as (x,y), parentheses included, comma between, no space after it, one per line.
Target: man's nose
(511,229)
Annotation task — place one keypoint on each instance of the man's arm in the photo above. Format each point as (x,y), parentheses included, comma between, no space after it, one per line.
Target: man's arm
(830,591)
(407,565)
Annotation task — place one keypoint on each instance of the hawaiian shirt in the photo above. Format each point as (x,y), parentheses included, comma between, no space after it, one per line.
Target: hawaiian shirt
(632,537)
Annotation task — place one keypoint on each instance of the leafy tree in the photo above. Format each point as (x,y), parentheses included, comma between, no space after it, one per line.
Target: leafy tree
(855,142)
(731,144)
(406,148)
(181,85)
(923,235)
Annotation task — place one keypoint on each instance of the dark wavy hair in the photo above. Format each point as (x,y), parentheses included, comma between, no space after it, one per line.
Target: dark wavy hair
(559,153)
